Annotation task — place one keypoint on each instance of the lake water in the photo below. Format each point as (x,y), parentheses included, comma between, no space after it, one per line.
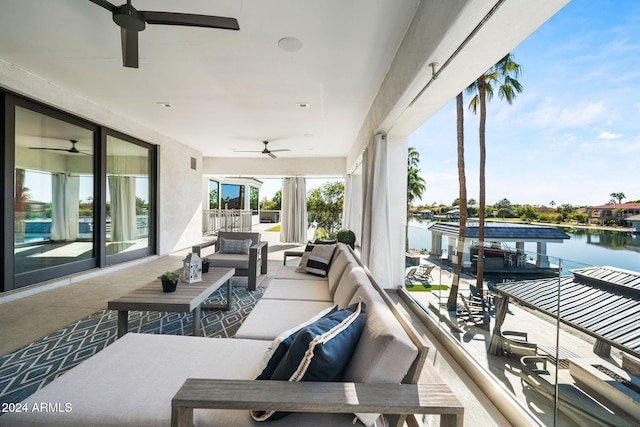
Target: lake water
(585,248)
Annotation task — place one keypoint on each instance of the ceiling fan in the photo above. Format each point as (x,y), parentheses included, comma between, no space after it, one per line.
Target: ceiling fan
(132,21)
(73,148)
(264,151)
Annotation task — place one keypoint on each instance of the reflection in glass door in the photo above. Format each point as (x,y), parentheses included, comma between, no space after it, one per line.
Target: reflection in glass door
(53,192)
(127,196)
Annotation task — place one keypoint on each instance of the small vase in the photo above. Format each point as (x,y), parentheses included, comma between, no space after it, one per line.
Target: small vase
(169,285)
(205,267)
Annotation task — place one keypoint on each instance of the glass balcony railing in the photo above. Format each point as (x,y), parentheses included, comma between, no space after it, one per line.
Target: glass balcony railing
(560,336)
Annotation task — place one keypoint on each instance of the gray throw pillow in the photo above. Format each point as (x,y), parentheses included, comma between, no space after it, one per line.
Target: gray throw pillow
(228,246)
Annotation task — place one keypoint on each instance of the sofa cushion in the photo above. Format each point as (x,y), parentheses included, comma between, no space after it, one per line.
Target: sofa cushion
(270,317)
(239,261)
(385,351)
(229,246)
(353,277)
(340,260)
(290,272)
(304,290)
(281,344)
(320,351)
(132,381)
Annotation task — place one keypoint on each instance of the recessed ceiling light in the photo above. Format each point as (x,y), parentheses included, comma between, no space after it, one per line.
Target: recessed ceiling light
(290,44)
(303,104)
(165,104)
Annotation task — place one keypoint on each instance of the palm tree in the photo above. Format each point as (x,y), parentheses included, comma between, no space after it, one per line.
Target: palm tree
(462,184)
(503,76)
(618,196)
(415,185)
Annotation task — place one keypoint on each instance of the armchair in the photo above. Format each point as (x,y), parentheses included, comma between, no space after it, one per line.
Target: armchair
(250,265)
(517,344)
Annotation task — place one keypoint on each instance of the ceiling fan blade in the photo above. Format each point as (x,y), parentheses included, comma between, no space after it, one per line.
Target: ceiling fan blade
(188,19)
(104,3)
(247,151)
(129,48)
(49,149)
(280,149)
(273,156)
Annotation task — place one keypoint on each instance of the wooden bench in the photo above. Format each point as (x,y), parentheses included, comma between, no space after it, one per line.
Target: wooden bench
(332,397)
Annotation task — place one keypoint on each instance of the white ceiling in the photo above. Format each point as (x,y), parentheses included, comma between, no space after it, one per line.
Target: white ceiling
(229,89)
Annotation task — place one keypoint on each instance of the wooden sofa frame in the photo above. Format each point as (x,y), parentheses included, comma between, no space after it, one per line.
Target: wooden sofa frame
(410,397)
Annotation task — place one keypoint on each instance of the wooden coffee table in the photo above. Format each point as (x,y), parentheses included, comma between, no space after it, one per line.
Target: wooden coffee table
(188,297)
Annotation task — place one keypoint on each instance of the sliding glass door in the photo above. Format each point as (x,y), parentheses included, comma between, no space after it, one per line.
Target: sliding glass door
(53,192)
(77,195)
(127,197)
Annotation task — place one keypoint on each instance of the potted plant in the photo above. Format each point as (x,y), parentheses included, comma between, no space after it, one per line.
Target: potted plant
(169,281)
(346,236)
(205,264)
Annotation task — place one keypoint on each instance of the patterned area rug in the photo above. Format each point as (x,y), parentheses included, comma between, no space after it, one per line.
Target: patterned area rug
(31,367)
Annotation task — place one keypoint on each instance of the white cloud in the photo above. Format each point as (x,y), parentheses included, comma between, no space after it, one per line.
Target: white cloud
(609,135)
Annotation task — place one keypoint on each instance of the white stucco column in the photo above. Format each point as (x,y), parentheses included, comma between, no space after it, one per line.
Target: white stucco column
(543,259)
(451,245)
(436,243)
(466,254)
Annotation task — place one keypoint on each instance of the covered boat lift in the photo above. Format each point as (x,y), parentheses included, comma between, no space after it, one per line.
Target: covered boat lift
(497,233)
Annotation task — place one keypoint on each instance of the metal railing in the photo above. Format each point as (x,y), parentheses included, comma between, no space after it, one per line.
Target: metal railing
(214,220)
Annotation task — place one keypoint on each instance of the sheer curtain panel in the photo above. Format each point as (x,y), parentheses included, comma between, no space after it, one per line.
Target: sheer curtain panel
(376,233)
(294,222)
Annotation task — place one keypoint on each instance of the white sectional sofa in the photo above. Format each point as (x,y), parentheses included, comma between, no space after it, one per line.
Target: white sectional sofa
(132,382)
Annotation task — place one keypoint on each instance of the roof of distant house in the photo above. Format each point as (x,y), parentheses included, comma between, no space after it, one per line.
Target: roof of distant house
(618,206)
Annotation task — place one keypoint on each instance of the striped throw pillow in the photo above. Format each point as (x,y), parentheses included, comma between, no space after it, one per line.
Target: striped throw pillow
(320,351)
(320,259)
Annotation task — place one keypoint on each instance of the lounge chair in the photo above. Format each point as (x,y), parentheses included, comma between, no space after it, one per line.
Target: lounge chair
(410,277)
(473,312)
(424,272)
(516,344)
(485,299)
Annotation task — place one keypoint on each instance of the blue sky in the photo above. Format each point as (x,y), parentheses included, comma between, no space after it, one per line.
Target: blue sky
(573,134)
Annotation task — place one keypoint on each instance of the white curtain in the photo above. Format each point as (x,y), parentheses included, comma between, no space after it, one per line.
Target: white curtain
(73,206)
(376,231)
(293,221)
(59,220)
(122,190)
(352,210)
